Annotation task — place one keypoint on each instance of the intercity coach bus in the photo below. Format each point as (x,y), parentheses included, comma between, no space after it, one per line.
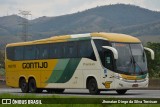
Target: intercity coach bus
(93,61)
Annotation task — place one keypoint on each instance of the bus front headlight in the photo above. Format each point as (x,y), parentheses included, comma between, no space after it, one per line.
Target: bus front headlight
(118,76)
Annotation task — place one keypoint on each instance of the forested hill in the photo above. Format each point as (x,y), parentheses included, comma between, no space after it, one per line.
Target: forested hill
(119,18)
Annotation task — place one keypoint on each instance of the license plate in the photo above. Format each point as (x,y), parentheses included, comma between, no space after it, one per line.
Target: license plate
(135,85)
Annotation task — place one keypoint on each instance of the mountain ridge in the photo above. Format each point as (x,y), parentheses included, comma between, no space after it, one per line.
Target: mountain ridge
(118,18)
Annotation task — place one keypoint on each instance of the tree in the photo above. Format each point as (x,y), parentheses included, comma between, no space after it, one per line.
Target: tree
(154,65)
(2,59)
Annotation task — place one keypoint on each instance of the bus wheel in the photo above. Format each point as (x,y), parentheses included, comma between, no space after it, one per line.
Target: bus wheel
(92,86)
(121,92)
(32,86)
(59,90)
(24,86)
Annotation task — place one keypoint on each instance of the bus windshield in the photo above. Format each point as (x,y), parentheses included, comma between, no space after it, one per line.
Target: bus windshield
(131,60)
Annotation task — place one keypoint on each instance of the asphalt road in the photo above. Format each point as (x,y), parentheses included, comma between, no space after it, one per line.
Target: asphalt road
(85,93)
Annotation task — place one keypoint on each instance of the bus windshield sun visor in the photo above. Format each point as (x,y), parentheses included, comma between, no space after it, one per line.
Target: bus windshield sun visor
(115,52)
(151,51)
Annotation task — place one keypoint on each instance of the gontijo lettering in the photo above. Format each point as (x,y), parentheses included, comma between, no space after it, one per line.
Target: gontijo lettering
(30,65)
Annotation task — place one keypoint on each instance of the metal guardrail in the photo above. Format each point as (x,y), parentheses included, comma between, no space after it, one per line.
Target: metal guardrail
(154,83)
(2,78)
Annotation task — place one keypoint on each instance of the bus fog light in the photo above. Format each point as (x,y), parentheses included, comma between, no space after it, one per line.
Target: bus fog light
(121,78)
(117,76)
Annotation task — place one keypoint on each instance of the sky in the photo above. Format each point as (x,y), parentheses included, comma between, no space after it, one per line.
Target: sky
(39,8)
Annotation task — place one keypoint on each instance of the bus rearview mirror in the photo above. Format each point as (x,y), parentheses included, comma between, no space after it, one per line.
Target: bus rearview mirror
(115,52)
(151,51)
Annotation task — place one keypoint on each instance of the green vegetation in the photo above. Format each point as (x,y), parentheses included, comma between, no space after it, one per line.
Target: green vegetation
(1,60)
(87,105)
(147,29)
(154,65)
(2,72)
(66,105)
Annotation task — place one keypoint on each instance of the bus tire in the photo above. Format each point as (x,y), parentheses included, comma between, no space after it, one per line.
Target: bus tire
(23,85)
(92,86)
(32,86)
(121,92)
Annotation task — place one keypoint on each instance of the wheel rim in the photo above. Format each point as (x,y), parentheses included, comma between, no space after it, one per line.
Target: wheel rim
(23,85)
(32,86)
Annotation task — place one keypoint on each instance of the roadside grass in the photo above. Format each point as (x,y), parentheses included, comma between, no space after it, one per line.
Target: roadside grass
(7,95)
(87,105)
(60,105)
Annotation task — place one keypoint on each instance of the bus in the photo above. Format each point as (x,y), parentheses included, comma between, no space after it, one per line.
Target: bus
(94,61)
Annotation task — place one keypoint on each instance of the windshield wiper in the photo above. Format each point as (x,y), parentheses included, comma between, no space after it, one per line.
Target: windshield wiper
(135,63)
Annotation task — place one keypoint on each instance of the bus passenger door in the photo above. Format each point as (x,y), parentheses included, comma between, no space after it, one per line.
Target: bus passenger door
(108,62)
(109,65)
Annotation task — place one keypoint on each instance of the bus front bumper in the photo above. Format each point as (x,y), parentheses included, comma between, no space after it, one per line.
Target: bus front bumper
(130,84)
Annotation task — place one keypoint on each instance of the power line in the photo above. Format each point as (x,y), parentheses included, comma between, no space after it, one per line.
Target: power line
(24,23)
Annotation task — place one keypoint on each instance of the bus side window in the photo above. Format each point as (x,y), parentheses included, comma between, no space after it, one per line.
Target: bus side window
(82,50)
(71,50)
(64,50)
(86,50)
(53,51)
(56,50)
(18,53)
(43,51)
(30,52)
(10,53)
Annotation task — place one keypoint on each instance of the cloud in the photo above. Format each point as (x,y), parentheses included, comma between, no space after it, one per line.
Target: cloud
(152,4)
(60,7)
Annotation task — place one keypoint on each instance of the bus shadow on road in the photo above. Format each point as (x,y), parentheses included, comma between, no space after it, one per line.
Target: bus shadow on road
(103,93)
(80,94)
(111,94)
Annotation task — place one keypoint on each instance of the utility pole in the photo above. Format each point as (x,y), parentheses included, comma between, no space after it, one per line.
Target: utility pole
(24,23)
